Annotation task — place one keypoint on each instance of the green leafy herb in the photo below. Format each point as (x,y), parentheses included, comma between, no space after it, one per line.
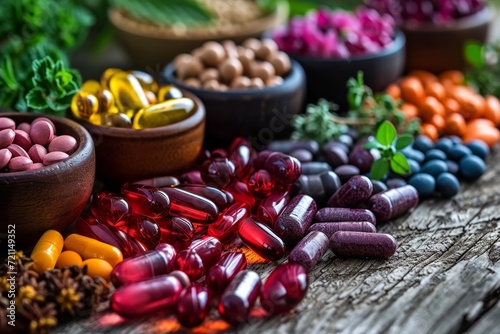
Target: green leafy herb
(387,143)
(484,75)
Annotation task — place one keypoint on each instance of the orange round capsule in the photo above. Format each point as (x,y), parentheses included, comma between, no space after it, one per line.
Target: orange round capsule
(455,125)
(409,110)
(98,267)
(430,131)
(430,107)
(454,76)
(394,91)
(491,109)
(47,250)
(68,258)
(90,248)
(412,90)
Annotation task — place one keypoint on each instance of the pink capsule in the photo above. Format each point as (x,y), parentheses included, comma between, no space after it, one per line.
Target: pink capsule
(270,207)
(193,306)
(144,266)
(260,183)
(284,168)
(177,231)
(199,257)
(261,239)
(293,222)
(141,228)
(189,205)
(284,288)
(239,297)
(109,207)
(310,249)
(225,227)
(146,200)
(146,297)
(361,244)
(217,196)
(240,192)
(393,202)
(352,193)
(224,271)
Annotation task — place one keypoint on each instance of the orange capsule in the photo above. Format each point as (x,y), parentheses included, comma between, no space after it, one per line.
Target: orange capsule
(68,259)
(394,91)
(412,90)
(455,125)
(490,135)
(430,131)
(98,267)
(472,107)
(90,248)
(491,109)
(435,89)
(430,107)
(451,106)
(438,121)
(409,110)
(423,76)
(454,76)
(47,250)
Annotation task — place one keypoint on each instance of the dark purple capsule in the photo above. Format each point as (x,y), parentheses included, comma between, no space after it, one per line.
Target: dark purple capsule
(261,239)
(310,249)
(159,181)
(224,271)
(225,227)
(144,266)
(177,231)
(320,187)
(284,288)
(192,177)
(286,146)
(201,158)
(352,193)
(297,216)
(283,168)
(378,187)
(315,167)
(218,153)
(217,196)
(218,172)
(329,228)
(199,257)
(362,159)
(189,205)
(239,297)
(146,297)
(395,182)
(335,156)
(143,229)
(109,207)
(361,244)
(146,200)
(302,155)
(334,143)
(260,183)
(270,207)
(346,172)
(344,215)
(193,306)
(393,202)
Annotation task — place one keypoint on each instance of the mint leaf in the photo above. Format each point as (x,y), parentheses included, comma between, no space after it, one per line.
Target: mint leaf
(379,168)
(386,133)
(35,99)
(403,141)
(399,164)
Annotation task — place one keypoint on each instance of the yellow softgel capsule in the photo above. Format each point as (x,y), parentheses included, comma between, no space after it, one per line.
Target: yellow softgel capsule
(69,258)
(168,92)
(90,248)
(146,80)
(128,93)
(164,113)
(106,76)
(91,87)
(47,250)
(98,267)
(84,105)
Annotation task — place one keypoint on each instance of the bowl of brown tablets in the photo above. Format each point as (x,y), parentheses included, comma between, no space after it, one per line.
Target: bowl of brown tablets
(47,170)
(251,90)
(140,128)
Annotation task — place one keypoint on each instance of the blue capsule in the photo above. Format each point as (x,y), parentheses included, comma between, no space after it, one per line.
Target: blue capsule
(424,183)
(411,153)
(447,185)
(434,167)
(444,144)
(457,152)
(452,167)
(414,166)
(471,167)
(435,154)
(479,148)
(423,143)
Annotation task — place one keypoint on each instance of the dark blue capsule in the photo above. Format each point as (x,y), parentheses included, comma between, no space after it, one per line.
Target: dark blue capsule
(424,183)
(455,140)
(435,154)
(444,144)
(479,148)
(471,167)
(452,167)
(378,187)
(414,166)
(447,185)
(423,143)
(434,167)
(457,152)
(411,153)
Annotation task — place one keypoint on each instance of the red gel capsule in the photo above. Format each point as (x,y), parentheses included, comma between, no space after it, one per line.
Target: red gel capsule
(260,183)
(141,228)
(144,266)
(146,297)
(224,271)
(329,228)
(109,207)
(146,200)
(260,159)
(310,249)
(218,172)
(199,257)
(293,222)
(352,193)
(189,205)
(91,227)
(241,154)
(361,244)
(270,207)
(284,288)
(284,168)
(192,177)
(225,227)
(240,192)
(218,197)
(393,202)
(239,297)
(177,231)
(193,306)
(159,181)
(261,239)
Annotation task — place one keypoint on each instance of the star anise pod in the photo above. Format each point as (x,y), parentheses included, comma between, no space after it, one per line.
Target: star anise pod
(38,319)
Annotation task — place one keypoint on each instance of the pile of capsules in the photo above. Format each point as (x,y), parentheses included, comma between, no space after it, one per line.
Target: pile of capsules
(130,99)
(177,234)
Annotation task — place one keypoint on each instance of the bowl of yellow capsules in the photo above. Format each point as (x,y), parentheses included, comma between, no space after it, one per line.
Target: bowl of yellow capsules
(140,128)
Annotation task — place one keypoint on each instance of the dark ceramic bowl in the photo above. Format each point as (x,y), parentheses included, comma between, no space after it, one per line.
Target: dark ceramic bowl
(441,48)
(127,154)
(52,197)
(261,115)
(327,77)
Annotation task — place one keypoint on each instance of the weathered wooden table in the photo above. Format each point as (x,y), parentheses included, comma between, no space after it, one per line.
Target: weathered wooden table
(444,278)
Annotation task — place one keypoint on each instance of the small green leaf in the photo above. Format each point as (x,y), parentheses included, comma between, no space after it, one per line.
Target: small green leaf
(403,141)
(35,99)
(386,133)
(473,52)
(379,169)
(399,164)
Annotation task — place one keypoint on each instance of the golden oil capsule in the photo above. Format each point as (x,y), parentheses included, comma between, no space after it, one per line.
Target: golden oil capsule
(47,251)
(91,87)
(106,76)
(152,99)
(168,92)
(164,113)
(146,80)
(106,101)
(128,93)
(84,105)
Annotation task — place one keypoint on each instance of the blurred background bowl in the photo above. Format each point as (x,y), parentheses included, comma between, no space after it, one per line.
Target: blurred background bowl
(51,197)
(261,115)
(127,154)
(327,77)
(441,48)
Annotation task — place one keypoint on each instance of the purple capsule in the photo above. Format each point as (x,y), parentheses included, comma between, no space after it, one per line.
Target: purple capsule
(192,177)
(239,297)
(193,306)
(177,231)
(284,168)
(224,271)
(293,222)
(310,249)
(284,288)
(286,146)
(329,228)
(344,215)
(146,297)
(352,193)
(146,200)
(261,239)
(270,207)
(225,227)
(320,186)
(144,266)
(362,244)
(199,257)
(393,202)
(189,205)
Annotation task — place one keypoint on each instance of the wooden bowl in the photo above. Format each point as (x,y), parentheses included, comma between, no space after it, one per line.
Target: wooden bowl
(127,154)
(261,115)
(441,48)
(52,197)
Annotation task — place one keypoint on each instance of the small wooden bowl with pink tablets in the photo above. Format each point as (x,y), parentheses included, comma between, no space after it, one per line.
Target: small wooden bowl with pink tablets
(47,171)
